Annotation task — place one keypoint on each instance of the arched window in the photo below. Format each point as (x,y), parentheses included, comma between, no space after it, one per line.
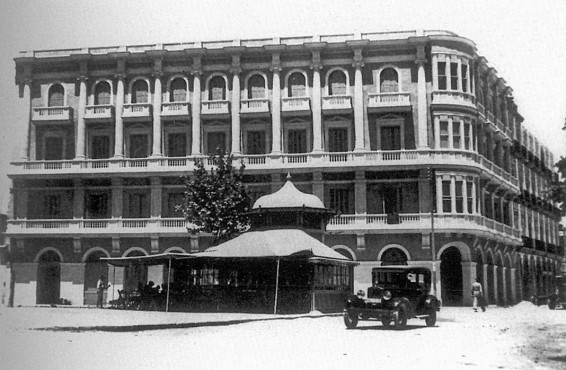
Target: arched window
(140,92)
(337,83)
(256,87)
(297,85)
(389,81)
(393,256)
(217,88)
(56,96)
(102,93)
(178,90)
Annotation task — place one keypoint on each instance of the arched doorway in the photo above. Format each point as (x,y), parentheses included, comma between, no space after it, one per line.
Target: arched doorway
(490,281)
(48,278)
(500,282)
(94,267)
(393,256)
(526,278)
(135,273)
(451,276)
(508,280)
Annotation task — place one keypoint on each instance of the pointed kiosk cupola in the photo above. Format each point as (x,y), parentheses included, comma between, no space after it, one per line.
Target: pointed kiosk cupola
(290,208)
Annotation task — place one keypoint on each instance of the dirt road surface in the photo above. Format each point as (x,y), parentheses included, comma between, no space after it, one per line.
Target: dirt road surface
(519,337)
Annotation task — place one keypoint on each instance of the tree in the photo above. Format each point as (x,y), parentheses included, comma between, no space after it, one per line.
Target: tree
(216,200)
(558,187)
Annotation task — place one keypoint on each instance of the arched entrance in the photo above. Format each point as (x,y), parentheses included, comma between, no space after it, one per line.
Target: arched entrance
(500,282)
(393,256)
(134,273)
(508,280)
(48,278)
(94,267)
(451,276)
(490,281)
(526,278)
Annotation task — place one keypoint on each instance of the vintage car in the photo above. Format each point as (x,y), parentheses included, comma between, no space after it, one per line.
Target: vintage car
(558,298)
(398,293)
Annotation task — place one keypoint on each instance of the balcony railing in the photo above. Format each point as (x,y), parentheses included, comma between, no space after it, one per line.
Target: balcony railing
(446,97)
(389,100)
(296,106)
(175,109)
(216,107)
(52,114)
(254,106)
(337,104)
(137,110)
(99,112)
(284,161)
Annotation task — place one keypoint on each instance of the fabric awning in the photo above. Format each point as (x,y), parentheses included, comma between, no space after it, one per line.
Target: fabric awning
(152,259)
(278,243)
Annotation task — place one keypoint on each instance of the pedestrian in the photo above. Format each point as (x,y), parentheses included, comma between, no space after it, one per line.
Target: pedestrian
(100,287)
(477,295)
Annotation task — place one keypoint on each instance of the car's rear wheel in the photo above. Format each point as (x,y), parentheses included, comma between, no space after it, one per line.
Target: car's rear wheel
(431,319)
(552,304)
(350,320)
(400,317)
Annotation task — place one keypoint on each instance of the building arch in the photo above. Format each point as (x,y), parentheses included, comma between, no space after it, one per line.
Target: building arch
(461,246)
(134,274)
(131,86)
(378,77)
(207,87)
(327,81)
(390,246)
(451,275)
(286,92)
(94,268)
(48,289)
(168,93)
(174,250)
(135,249)
(346,249)
(93,91)
(56,87)
(48,249)
(249,76)
(87,254)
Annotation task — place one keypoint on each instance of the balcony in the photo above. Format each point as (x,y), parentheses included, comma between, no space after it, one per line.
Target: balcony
(453,98)
(175,110)
(98,226)
(103,113)
(337,104)
(137,111)
(254,108)
(216,109)
(296,106)
(52,114)
(389,102)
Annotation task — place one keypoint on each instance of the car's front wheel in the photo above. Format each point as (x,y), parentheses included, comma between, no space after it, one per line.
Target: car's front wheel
(431,319)
(400,317)
(350,320)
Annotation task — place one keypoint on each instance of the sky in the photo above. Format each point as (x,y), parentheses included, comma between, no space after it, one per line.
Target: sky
(524,40)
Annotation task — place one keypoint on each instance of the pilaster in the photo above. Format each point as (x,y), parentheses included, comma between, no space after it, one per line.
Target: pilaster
(360,193)
(276,104)
(157,97)
(422,116)
(80,152)
(119,126)
(196,72)
(316,66)
(156,192)
(358,101)
(236,129)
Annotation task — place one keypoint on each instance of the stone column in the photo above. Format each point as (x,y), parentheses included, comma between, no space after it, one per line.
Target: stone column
(26,114)
(437,132)
(485,283)
(495,288)
(422,123)
(450,133)
(448,75)
(358,101)
(434,72)
(439,208)
(119,128)
(453,194)
(156,191)
(318,186)
(474,198)
(462,136)
(78,199)
(31,143)
(117,197)
(157,91)
(276,105)
(465,191)
(459,74)
(505,298)
(316,66)
(80,151)
(471,136)
(514,294)
(236,70)
(360,191)
(196,108)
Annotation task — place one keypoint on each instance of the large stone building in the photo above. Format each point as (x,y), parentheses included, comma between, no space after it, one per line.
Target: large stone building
(402,133)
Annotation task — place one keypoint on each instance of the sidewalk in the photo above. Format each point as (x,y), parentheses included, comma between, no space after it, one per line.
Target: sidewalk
(65,318)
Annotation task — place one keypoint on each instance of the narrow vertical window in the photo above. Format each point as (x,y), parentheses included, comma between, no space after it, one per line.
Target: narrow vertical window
(256,87)
(470,196)
(459,197)
(441,75)
(443,134)
(102,93)
(217,88)
(297,85)
(467,145)
(446,197)
(456,134)
(454,76)
(464,77)
(389,81)
(56,96)
(140,92)
(178,91)
(337,83)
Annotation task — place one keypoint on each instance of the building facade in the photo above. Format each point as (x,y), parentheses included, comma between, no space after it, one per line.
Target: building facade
(411,137)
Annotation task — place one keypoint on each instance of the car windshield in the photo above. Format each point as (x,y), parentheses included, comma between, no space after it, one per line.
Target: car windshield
(401,279)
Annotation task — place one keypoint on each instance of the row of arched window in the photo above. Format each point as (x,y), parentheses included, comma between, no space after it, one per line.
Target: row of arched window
(256,87)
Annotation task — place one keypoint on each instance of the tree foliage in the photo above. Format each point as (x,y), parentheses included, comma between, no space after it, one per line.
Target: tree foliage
(558,188)
(216,200)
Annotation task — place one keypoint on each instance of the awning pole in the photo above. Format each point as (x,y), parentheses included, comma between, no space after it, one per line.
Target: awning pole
(113,280)
(276,288)
(168,280)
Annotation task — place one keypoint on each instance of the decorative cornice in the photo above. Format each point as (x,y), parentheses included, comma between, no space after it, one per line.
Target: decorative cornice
(316,62)
(236,65)
(275,63)
(358,58)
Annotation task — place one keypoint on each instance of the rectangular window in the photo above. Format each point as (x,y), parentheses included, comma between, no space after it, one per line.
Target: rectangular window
(459,197)
(391,138)
(337,140)
(454,76)
(256,142)
(52,206)
(488,206)
(443,134)
(177,144)
(340,201)
(297,141)
(139,147)
(138,205)
(100,147)
(174,200)
(216,141)
(470,199)
(53,148)
(97,205)
(441,75)
(456,134)
(464,77)
(467,136)
(446,197)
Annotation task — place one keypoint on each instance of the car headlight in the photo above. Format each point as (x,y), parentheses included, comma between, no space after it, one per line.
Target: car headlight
(386,295)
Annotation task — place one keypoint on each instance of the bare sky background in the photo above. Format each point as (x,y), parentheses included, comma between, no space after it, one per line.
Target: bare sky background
(525,40)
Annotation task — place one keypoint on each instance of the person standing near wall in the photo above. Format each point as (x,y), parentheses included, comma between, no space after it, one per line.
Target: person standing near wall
(100,287)
(477,295)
